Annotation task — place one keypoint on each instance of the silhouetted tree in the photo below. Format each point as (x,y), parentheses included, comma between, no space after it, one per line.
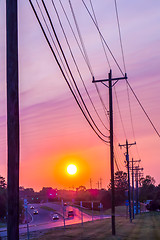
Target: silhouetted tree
(82,194)
(121,185)
(3,197)
(81,188)
(106,199)
(2,182)
(147,181)
(147,189)
(120,181)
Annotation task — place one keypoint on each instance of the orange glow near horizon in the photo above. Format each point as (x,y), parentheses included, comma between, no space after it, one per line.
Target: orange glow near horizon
(67,179)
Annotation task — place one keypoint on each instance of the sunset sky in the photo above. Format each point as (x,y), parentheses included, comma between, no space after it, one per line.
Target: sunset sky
(53,131)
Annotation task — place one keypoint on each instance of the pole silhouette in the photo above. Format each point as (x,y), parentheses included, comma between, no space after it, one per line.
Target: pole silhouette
(132,190)
(12,120)
(133,197)
(129,188)
(137,188)
(111,82)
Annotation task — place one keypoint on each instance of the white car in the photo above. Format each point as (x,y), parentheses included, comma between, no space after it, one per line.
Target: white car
(55,217)
(35,212)
(31,207)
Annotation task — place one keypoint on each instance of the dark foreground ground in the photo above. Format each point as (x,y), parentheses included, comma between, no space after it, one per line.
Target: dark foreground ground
(144,226)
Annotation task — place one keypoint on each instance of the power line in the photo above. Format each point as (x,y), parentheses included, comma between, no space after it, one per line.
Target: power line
(87,62)
(81,39)
(56,47)
(69,68)
(103,105)
(80,75)
(143,109)
(85,53)
(122,51)
(131,118)
(103,38)
(110,81)
(116,163)
(121,123)
(120,112)
(30,1)
(74,35)
(127,145)
(120,37)
(100,35)
(117,153)
(102,47)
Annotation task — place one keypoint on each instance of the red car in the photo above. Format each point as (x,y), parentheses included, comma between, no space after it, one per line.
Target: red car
(70,214)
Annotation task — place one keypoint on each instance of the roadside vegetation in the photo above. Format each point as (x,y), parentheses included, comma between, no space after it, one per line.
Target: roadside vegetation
(119,211)
(148,193)
(48,208)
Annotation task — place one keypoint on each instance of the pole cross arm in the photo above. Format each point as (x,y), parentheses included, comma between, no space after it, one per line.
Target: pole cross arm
(124,145)
(108,79)
(136,161)
(139,169)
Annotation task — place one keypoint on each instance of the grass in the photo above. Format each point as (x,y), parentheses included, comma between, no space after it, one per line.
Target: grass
(120,211)
(2,225)
(145,226)
(47,208)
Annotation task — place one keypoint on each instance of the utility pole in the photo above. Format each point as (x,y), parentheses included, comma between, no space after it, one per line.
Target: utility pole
(136,177)
(100,182)
(129,190)
(137,190)
(111,82)
(90,183)
(12,120)
(63,214)
(133,161)
(98,185)
(132,190)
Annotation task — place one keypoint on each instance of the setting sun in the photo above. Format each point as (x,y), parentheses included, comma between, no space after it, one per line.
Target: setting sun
(71,169)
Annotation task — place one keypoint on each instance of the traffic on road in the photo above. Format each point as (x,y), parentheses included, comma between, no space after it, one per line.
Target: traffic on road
(49,215)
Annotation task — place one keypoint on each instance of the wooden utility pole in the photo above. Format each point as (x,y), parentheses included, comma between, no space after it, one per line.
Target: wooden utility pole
(133,161)
(100,183)
(12,120)
(111,82)
(129,188)
(136,177)
(137,189)
(132,190)
(112,152)
(90,183)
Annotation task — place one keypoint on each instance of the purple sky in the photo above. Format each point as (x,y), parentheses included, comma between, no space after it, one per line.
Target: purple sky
(52,127)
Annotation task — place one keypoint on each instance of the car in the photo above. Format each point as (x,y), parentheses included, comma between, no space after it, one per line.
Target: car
(31,207)
(55,217)
(35,212)
(70,214)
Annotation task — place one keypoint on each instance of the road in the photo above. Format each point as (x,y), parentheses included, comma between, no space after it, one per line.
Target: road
(43,220)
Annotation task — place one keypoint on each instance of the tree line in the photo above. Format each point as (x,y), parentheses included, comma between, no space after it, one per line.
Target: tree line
(148,192)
